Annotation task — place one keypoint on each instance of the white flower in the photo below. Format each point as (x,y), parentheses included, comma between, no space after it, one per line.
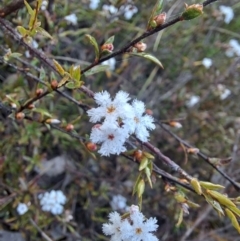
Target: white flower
(94,4)
(234,48)
(134,228)
(22,208)
(53,201)
(140,123)
(110,62)
(112,138)
(113,228)
(110,110)
(194,99)
(72,18)
(225,94)
(110,8)
(129,11)
(228,12)
(207,63)
(142,228)
(44,5)
(118,202)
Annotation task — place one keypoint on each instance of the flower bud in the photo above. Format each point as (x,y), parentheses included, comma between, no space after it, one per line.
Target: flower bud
(160,19)
(31,106)
(20,116)
(39,92)
(140,46)
(108,47)
(54,84)
(193,150)
(91,146)
(175,124)
(69,127)
(52,121)
(149,112)
(192,11)
(138,155)
(13,105)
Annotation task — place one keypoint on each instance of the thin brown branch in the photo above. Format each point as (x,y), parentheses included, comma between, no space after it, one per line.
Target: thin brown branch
(12,7)
(203,156)
(143,36)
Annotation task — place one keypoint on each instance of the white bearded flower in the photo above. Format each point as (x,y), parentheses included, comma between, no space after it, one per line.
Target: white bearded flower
(111,136)
(140,123)
(134,228)
(111,110)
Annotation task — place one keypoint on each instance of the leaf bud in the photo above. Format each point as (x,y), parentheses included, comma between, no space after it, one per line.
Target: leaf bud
(91,146)
(140,46)
(192,11)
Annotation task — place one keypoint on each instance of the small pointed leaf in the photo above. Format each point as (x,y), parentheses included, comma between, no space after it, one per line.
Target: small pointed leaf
(149,57)
(96,69)
(93,42)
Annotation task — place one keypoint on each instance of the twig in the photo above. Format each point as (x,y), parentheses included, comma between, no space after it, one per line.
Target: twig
(44,235)
(12,7)
(203,156)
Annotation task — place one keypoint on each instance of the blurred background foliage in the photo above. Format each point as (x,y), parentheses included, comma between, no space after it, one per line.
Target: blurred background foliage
(212,124)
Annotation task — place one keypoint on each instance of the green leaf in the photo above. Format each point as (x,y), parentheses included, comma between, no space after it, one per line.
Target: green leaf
(32,19)
(110,40)
(93,42)
(96,69)
(42,112)
(149,57)
(71,85)
(59,67)
(30,10)
(22,31)
(75,72)
(44,32)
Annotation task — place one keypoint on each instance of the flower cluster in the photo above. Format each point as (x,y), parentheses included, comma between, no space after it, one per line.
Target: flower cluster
(134,228)
(228,12)
(120,120)
(52,201)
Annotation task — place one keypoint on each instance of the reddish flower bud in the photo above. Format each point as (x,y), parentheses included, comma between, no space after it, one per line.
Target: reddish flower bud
(54,84)
(175,124)
(69,127)
(138,155)
(31,106)
(107,47)
(140,46)
(20,116)
(160,18)
(149,112)
(91,146)
(39,92)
